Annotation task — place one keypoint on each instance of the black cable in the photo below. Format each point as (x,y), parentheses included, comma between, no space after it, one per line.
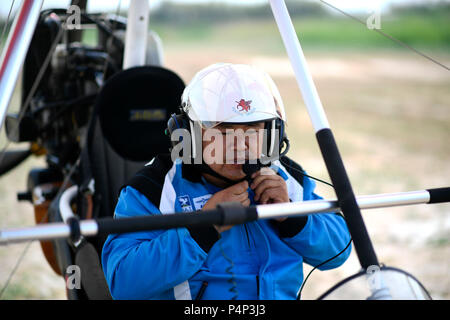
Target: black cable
(84,101)
(319,265)
(304,174)
(330,259)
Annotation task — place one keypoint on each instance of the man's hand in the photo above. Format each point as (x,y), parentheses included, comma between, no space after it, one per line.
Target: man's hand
(269,187)
(235,193)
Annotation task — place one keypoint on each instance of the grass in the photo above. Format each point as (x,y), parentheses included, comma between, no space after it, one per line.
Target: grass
(18,291)
(426,32)
(431,32)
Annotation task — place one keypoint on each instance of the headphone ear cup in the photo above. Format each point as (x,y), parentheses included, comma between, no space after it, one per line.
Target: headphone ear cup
(280,129)
(284,141)
(176,121)
(171,125)
(183,121)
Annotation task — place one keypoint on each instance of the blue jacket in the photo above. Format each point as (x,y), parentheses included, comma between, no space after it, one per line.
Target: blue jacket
(257,260)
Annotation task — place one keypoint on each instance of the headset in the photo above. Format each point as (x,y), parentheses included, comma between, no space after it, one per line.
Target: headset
(272,127)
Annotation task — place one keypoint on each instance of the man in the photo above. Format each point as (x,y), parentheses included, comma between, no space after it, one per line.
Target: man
(257,260)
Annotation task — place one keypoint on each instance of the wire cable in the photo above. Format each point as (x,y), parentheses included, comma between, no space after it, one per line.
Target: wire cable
(384,34)
(330,259)
(319,265)
(25,250)
(6,23)
(304,174)
(32,90)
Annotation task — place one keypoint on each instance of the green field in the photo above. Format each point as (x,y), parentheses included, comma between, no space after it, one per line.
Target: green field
(429,31)
(432,32)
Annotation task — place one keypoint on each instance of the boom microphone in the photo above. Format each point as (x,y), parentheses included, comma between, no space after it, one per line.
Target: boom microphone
(251,168)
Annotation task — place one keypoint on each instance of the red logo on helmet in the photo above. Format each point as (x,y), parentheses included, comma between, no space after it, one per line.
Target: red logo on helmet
(243,105)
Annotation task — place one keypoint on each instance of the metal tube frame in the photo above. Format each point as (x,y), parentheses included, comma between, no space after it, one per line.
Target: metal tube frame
(136,34)
(15,51)
(328,147)
(269,211)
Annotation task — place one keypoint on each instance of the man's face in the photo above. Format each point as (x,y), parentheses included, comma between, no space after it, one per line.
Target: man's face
(227,146)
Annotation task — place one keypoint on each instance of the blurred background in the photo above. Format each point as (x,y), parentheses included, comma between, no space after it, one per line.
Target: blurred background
(388,106)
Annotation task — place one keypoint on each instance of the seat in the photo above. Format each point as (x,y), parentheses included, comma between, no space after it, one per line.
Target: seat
(126,131)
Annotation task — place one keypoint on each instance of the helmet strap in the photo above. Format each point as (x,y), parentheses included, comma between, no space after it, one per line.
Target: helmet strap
(248,168)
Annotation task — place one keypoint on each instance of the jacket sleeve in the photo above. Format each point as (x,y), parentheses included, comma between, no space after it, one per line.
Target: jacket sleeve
(147,265)
(317,237)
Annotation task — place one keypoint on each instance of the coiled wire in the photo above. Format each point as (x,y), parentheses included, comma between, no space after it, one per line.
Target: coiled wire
(229,270)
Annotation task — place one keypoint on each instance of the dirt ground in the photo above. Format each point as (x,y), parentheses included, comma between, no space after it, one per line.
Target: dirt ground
(390,114)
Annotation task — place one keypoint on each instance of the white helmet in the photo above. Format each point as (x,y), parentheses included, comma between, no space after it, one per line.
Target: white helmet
(236,94)
(232,93)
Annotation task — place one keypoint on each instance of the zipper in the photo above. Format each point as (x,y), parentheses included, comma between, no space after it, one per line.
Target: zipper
(201,291)
(248,237)
(257,286)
